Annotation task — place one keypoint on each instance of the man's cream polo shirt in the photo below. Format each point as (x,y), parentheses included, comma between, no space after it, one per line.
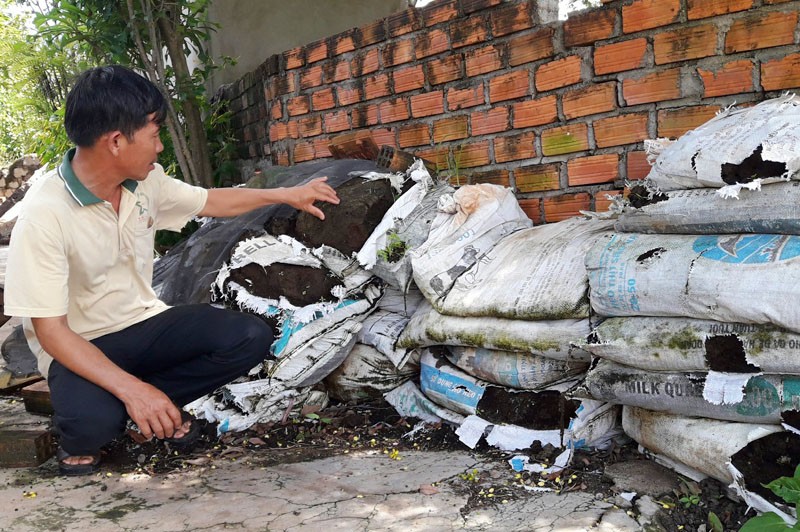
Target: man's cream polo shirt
(72,255)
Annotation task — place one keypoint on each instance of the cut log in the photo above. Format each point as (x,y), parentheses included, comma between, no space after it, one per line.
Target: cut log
(25,448)
(36,397)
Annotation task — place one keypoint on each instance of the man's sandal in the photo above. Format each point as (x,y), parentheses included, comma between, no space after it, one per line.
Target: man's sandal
(191,436)
(76,470)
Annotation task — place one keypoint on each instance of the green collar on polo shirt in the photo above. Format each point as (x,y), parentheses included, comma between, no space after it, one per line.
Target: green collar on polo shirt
(76,189)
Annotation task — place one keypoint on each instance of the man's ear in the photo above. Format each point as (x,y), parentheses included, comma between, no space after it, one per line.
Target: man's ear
(113,141)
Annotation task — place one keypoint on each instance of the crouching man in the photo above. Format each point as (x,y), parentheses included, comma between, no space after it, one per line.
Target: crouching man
(80,269)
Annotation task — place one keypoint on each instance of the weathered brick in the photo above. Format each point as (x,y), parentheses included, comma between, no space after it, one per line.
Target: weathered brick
(376,86)
(383,137)
(636,165)
(408,79)
(438,156)
(494,120)
(761,30)
(365,115)
(559,73)
(463,98)
(309,126)
(372,33)
(685,43)
(646,14)
(393,110)
(453,128)
(514,147)
(510,19)
(322,100)
(311,77)
(295,58)
(348,94)
(321,147)
(297,105)
(276,110)
(495,177)
(604,198)
(593,169)
(468,31)
(281,158)
(533,208)
(589,27)
(398,52)
(591,100)
(617,57)
(316,51)
(278,131)
(471,6)
(439,12)
(566,206)
(336,121)
(448,68)
(432,42)
(655,87)
(303,151)
(403,22)
(565,139)
(366,62)
(711,8)
(619,130)
(428,104)
(343,43)
(730,78)
(336,70)
(414,135)
(673,123)
(509,86)
(781,73)
(293,129)
(482,60)
(535,112)
(530,47)
(472,155)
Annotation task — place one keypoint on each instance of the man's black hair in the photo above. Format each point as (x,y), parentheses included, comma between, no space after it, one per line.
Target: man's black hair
(111,98)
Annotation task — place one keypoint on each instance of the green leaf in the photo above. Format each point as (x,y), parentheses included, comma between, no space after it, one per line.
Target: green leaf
(787,488)
(312,415)
(769,522)
(715,523)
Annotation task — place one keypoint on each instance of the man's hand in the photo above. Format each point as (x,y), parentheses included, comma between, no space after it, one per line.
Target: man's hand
(152,411)
(302,197)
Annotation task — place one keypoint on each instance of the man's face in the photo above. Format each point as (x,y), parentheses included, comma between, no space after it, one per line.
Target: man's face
(141,152)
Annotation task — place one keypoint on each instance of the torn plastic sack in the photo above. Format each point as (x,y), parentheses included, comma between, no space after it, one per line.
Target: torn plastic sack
(366,373)
(469,223)
(409,401)
(532,274)
(383,328)
(728,278)
(550,339)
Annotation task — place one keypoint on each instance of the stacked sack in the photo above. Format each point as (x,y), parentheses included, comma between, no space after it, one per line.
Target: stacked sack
(698,286)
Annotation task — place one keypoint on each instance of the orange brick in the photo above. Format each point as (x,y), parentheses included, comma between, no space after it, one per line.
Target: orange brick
(432,42)
(472,155)
(619,130)
(510,19)
(431,103)
(293,130)
(530,47)
(593,169)
(278,131)
(646,14)
(589,27)
(276,111)
(685,43)
(376,86)
(439,12)
(343,43)
(280,85)
(438,156)
(323,99)
(562,207)
(514,147)
(297,105)
(309,126)
(336,121)
(403,22)
(711,8)
(348,94)
(591,100)
(761,30)
(636,165)
(533,208)
(281,158)
(483,60)
(408,79)
(655,87)
(781,73)
(336,70)
(321,147)
(453,128)
(463,98)
(730,78)
(537,178)
(414,135)
(448,68)
(617,57)
(535,112)
(559,73)
(495,177)
(565,139)
(494,120)
(366,62)
(303,151)
(311,77)
(365,116)
(471,6)
(469,31)
(393,110)
(604,198)
(370,34)
(316,51)
(508,86)
(673,123)
(295,58)
(398,52)
(383,137)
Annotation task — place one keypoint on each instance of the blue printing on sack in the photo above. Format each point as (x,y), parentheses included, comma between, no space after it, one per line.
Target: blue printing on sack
(454,388)
(289,326)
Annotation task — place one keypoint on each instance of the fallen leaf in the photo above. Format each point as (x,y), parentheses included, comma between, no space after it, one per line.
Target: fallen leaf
(257,441)
(427,489)
(197,461)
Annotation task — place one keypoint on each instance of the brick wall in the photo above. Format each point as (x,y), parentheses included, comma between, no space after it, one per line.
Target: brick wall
(558,110)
